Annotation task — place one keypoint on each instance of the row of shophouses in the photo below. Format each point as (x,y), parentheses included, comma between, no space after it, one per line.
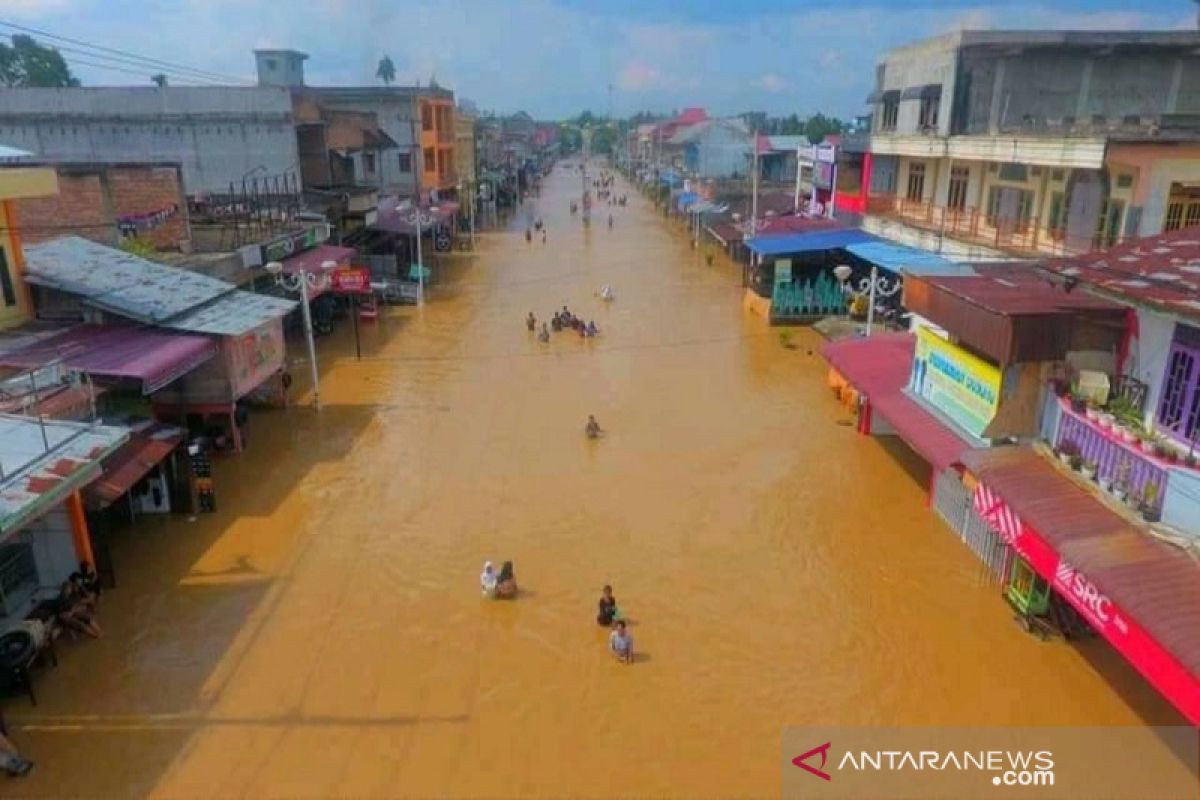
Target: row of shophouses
(1021,226)
(152,241)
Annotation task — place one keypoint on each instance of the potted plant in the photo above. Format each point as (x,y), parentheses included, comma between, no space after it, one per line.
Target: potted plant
(1128,434)
(1106,420)
(1149,442)
(1092,411)
(1106,484)
(1076,462)
(1121,481)
(1149,503)
(1089,468)
(1078,401)
(1165,451)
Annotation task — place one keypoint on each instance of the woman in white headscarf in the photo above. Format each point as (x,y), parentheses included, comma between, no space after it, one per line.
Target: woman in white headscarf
(488,580)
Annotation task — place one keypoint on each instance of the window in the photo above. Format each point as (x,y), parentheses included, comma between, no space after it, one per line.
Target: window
(1109,224)
(271,65)
(430,160)
(1124,181)
(7,290)
(1056,221)
(890,112)
(916,182)
(426,117)
(1182,212)
(1179,406)
(928,116)
(405,162)
(369,162)
(956,198)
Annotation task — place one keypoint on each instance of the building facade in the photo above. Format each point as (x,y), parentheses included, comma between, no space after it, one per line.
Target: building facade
(987,144)
(220,135)
(17,184)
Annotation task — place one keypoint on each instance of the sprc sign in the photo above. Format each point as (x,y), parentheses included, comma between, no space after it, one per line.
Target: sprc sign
(962,386)
(1096,606)
(352,280)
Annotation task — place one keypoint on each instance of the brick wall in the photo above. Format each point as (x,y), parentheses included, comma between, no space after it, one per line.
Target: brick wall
(90,201)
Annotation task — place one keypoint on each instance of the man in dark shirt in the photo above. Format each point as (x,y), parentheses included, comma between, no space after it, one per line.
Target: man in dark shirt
(607,607)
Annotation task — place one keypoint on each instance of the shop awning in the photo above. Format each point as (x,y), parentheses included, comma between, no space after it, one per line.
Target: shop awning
(311,260)
(44,461)
(879,367)
(898,258)
(796,243)
(1141,594)
(146,448)
(153,357)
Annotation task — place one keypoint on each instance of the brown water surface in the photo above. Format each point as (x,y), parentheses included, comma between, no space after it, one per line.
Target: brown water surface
(323,634)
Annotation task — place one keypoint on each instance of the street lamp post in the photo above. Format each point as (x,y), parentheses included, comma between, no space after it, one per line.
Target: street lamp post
(421,221)
(306,283)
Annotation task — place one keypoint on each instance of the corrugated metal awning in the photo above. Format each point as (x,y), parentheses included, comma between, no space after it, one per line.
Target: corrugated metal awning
(785,244)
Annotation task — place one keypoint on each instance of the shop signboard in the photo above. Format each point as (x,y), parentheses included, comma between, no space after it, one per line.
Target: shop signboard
(255,356)
(1114,623)
(959,384)
(783,271)
(352,280)
(293,243)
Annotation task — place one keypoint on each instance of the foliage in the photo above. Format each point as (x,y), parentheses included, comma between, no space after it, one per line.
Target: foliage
(27,63)
(386,71)
(137,246)
(159,79)
(818,126)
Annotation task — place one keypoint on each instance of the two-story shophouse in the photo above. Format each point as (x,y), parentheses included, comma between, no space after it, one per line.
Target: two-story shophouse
(989,144)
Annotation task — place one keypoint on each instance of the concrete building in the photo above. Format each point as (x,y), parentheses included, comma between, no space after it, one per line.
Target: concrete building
(714,148)
(464,148)
(994,143)
(218,134)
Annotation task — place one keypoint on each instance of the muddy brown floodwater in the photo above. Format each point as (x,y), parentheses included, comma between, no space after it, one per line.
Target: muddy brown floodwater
(323,634)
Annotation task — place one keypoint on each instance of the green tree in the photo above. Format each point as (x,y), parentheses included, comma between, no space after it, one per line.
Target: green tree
(27,63)
(818,126)
(386,71)
(159,79)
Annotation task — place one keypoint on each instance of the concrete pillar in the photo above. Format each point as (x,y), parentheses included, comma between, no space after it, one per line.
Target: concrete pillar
(1171,106)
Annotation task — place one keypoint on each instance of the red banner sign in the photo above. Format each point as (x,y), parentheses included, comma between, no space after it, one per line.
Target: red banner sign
(352,280)
(1142,650)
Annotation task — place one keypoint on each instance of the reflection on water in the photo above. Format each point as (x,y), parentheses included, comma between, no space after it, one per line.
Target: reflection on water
(323,634)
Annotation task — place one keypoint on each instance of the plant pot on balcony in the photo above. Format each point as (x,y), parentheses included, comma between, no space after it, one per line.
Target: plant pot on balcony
(1106,484)
(1106,421)
(1092,413)
(1151,514)
(1128,436)
(1089,472)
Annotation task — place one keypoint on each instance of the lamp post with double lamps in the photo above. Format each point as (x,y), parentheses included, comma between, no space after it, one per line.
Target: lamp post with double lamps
(876,285)
(421,221)
(307,284)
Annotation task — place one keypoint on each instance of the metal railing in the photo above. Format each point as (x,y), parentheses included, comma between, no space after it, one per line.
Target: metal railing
(971,225)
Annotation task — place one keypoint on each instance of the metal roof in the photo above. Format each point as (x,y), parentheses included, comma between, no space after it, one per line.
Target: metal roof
(1162,271)
(44,461)
(879,367)
(786,244)
(900,258)
(153,357)
(1155,583)
(116,281)
(148,292)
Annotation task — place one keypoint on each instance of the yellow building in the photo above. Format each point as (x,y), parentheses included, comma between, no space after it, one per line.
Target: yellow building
(16,183)
(464,147)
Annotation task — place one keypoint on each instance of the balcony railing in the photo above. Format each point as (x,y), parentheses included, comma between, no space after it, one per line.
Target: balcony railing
(971,225)
(1122,465)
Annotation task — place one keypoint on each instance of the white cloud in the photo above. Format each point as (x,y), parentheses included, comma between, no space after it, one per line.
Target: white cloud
(772,82)
(637,76)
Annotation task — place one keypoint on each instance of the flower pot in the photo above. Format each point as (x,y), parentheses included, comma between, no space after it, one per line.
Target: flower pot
(1106,485)
(1147,446)
(1064,458)
(1106,421)
(1128,436)
(1092,414)
(1089,473)
(1151,514)
(1120,494)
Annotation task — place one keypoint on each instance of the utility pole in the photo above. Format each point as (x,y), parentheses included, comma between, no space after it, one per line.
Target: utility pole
(754,188)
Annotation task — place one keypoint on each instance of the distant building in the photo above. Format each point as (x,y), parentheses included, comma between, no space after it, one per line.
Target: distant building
(998,143)
(714,148)
(465,148)
(219,135)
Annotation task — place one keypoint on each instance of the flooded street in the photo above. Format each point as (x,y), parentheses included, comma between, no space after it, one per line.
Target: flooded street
(323,633)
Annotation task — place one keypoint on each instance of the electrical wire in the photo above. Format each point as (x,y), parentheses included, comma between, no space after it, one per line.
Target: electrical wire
(86,63)
(161,65)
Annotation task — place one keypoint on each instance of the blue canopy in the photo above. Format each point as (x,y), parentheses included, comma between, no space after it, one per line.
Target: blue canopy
(901,258)
(686,199)
(789,243)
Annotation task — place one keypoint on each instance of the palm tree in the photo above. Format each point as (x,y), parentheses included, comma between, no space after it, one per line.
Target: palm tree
(386,71)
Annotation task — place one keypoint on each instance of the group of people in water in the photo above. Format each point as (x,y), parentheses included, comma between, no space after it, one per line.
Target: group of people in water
(538,226)
(502,585)
(562,320)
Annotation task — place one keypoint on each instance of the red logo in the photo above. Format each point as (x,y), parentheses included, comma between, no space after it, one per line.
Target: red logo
(818,771)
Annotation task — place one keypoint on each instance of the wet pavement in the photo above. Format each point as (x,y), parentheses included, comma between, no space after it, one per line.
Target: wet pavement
(323,634)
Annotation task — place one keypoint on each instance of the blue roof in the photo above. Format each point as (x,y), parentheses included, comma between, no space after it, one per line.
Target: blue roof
(788,243)
(900,258)
(687,198)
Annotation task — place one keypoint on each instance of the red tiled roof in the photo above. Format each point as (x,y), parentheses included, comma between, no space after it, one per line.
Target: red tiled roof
(879,366)
(1158,585)
(1161,271)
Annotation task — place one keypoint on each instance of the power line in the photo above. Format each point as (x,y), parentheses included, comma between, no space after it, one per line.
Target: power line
(151,62)
(113,67)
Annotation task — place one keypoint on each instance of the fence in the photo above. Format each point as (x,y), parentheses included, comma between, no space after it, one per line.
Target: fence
(953,503)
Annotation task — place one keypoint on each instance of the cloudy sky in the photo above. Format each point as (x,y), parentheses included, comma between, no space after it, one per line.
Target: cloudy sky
(554,58)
